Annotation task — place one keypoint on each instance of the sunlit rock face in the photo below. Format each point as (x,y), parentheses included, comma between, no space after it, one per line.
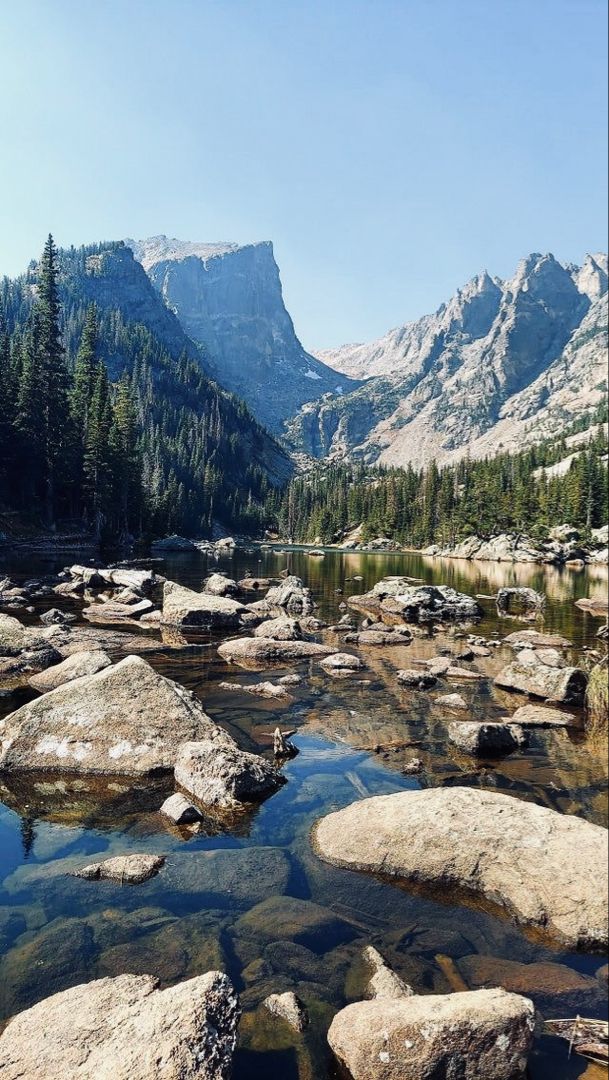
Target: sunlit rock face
(228,299)
(500,366)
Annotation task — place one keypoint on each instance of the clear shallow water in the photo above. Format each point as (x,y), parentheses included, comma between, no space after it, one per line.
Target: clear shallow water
(248,894)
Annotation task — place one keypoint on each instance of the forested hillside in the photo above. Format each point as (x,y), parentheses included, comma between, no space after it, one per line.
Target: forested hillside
(526,492)
(106,414)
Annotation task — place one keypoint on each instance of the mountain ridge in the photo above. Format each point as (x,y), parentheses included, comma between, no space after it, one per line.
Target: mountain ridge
(436,388)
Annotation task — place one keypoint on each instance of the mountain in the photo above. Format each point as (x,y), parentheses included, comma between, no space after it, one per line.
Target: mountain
(228,299)
(498,367)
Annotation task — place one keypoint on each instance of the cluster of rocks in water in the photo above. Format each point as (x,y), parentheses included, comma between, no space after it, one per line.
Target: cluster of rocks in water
(124,719)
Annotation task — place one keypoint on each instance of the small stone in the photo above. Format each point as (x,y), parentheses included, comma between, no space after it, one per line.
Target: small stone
(180,810)
(124,869)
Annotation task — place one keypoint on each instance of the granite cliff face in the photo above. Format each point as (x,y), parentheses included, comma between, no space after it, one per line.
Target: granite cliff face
(500,366)
(228,299)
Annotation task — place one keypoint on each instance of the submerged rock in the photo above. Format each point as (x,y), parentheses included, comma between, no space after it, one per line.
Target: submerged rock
(73,667)
(488,739)
(523,857)
(550,986)
(286,918)
(541,674)
(124,869)
(128,1029)
(478,1035)
(288,1007)
(184,607)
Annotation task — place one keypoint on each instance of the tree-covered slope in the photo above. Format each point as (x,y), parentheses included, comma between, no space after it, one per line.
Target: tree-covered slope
(198,456)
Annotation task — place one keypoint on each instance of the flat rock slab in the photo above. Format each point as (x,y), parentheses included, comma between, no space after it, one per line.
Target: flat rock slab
(261,689)
(542,716)
(534,639)
(266,651)
(451,701)
(126,1029)
(73,667)
(541,674)
(479,1035)
(124,869)
(547,870)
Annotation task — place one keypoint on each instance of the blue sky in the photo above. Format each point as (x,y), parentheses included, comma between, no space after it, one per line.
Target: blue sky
(389,149)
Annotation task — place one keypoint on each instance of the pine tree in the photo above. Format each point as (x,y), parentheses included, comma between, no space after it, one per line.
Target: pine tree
(55,415)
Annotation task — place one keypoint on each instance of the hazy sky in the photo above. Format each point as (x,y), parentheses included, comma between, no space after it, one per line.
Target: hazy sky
(389,148)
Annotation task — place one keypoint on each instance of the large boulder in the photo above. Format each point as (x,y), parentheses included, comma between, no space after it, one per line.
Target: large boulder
(126,1029)
(73,667)
(487,739)
(126,719)
(515,855)
(261,651)
(184,607)
(292,595)
(542,673)
(478,1035)
(416,603)
(218,773)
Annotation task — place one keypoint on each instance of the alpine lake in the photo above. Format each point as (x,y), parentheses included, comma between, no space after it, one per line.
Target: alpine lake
(263,907)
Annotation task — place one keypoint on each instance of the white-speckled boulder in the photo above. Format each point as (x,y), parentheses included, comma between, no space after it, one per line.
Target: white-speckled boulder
(127,719)
(126,1029)
(547,870)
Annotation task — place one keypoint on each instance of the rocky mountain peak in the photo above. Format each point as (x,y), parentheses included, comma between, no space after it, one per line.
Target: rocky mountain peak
(592,277)
(228,298)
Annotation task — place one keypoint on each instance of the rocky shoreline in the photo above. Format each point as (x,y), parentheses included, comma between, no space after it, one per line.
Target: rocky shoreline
(97,716)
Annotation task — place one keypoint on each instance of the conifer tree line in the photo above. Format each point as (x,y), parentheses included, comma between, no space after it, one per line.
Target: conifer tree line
(506,493)
(100,425)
